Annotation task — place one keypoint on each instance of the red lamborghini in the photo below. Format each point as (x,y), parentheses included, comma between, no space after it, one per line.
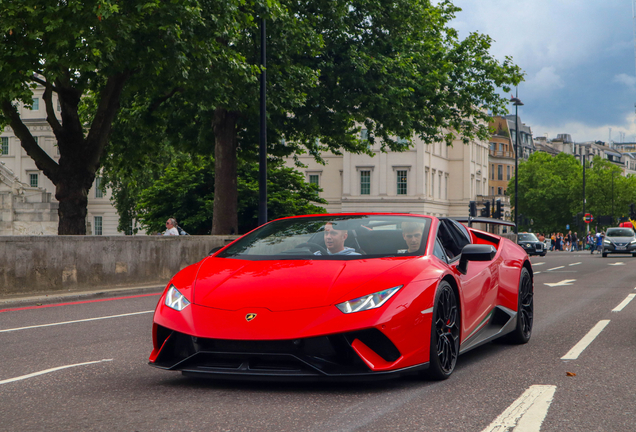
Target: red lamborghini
(344,296)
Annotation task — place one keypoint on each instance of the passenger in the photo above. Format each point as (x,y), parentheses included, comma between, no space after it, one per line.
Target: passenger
(412,233)
(334,240)
(171,227)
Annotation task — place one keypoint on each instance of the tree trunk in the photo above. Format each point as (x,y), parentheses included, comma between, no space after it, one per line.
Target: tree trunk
(225,217)
(72,194)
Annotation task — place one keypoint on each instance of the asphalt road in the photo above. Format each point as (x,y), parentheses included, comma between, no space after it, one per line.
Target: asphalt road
(492,386)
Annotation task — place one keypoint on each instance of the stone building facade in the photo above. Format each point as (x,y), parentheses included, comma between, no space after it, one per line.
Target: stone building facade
(432,179)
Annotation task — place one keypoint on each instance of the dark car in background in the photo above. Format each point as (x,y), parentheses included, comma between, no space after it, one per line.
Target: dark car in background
(619,241)
(531,244)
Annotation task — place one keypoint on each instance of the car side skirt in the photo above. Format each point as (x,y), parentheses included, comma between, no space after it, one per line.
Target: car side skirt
(497,323)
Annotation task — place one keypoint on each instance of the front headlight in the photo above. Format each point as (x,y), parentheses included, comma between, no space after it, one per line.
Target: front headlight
(176,300)
(633,241)
(528,245)
(367,302)
(607,242)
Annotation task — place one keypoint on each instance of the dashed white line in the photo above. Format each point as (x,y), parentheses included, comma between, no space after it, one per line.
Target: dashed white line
(527,412)
(573,264)
(574,353)
(538,264)
(565,282)
(34,374)
(624,303)
(617,263)
(555,268)
(75,321)
(537,272)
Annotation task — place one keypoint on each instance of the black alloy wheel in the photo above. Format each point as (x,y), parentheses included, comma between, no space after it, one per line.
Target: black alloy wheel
(525,311)
(444,333)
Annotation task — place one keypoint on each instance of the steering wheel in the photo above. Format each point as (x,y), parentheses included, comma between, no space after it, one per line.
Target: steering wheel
(313,247)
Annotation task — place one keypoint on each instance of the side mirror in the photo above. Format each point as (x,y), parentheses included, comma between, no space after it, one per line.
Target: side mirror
(216,249)
(475,252)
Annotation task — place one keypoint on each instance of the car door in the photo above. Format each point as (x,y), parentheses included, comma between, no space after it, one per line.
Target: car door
(477,288)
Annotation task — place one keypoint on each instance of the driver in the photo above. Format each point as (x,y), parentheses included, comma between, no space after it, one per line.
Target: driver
(334,240)
(412,234)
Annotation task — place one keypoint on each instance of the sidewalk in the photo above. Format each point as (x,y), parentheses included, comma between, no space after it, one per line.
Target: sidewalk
(39,299)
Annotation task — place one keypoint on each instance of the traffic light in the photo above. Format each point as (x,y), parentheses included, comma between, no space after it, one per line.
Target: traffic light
(498,212)
(485,212)
(472,209)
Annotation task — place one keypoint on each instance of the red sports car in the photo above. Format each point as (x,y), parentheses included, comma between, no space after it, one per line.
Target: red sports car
(344,296)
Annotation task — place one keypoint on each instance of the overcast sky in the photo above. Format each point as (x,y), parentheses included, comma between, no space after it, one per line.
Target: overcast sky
(578,57)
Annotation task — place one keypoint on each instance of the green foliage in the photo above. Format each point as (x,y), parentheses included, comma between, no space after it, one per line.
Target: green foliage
(184,190)
(551,190)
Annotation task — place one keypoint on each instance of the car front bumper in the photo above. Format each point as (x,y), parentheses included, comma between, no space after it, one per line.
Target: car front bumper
(619,249)
(536,248)
(343,356)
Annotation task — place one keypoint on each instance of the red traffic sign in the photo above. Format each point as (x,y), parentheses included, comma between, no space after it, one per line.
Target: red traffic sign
(588,218)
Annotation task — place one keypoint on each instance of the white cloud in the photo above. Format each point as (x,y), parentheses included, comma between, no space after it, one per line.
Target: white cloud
(628,80)
(545,81)
(582,132)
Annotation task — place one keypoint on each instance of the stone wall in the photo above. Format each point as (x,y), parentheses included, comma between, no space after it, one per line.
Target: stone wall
(47,264)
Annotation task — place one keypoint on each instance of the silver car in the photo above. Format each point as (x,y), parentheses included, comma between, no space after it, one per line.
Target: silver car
(619,241)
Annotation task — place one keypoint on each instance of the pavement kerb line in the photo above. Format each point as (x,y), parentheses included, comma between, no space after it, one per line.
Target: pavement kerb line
(59,297)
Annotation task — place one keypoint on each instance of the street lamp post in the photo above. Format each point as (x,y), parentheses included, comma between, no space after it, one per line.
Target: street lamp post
(516,102)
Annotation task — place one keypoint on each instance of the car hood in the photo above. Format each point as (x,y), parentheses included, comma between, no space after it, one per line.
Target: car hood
(283,285)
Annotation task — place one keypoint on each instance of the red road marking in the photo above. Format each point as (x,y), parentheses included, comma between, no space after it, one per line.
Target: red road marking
(77,302)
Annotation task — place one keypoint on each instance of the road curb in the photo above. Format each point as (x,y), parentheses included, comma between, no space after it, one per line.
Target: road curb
(61,297)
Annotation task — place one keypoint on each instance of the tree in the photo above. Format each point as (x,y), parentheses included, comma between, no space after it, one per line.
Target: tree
(395,68)
(185,191)
(87,52)
(551,190)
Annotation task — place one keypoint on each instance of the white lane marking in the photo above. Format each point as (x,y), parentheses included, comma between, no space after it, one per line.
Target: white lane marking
(76,321)
(574,353)
(573,264)
(34,374)
(537,272)
(565,282)
(527,413)
(536,264)
(555,268)
(617,263)
(624,303)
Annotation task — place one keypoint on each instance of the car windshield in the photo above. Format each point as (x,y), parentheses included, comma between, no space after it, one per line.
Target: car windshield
(527,237)
(620,232)
(334,237)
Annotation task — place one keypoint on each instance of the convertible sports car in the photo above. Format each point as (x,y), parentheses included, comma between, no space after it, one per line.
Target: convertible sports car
(344,296)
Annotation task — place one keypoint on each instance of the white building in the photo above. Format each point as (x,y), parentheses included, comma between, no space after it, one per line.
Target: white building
(430,179)
(102,218)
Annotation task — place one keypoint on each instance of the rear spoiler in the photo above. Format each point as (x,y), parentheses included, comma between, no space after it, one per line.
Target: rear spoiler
(471,220)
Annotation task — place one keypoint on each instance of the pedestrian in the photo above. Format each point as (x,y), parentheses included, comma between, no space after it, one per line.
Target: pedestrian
(171,227)
(575,242)
(589,242)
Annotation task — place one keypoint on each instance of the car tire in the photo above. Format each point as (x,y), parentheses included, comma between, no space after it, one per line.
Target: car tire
(543,254)
(634,255)
(525,311)
(445,325)
(604,254)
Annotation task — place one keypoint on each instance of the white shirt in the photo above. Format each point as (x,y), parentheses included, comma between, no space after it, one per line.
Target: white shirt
(171,231)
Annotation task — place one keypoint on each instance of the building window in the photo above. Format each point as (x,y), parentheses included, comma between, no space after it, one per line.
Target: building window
(314,179)
(401,182)
(36,104)
(365,182)
(499,172)
(492,190)
(5,146)
(433,184)
(33,180)
(99,192)
(439,185)
(508,172)
(97,225)
(492,171)
(499,191)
